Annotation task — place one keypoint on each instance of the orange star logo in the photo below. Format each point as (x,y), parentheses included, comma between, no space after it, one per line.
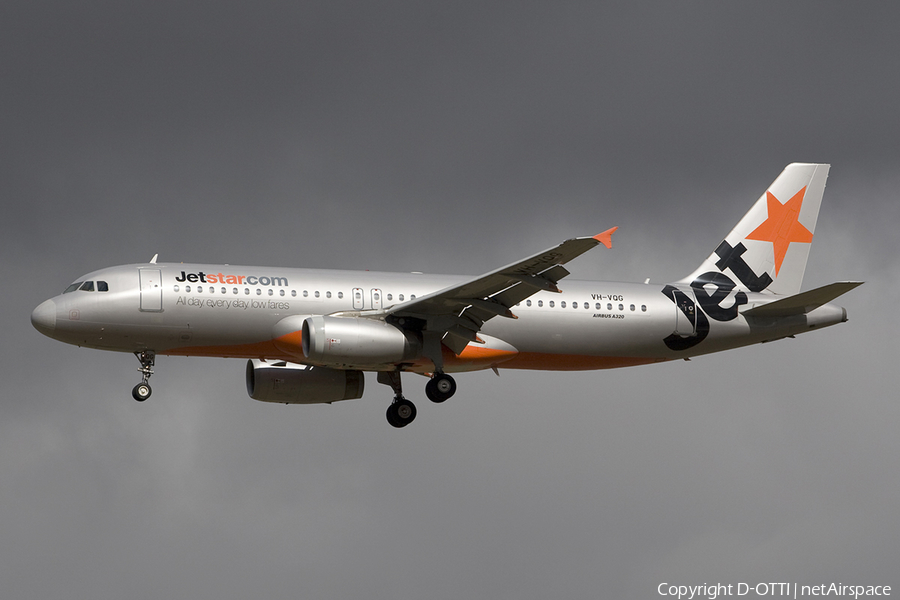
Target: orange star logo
(782,227)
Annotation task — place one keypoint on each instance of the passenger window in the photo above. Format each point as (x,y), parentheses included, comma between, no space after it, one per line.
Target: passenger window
(175,289)
(317,294)
(305,294)
(87,286)
(401,297)
(609,306)
(586,306)
(597,306)
(412,297)
(390,297)
(258,292)
(328,294)
(102,286)
(621,307)
(234,291)
(341,295)
(271,291)
(187,288)
(551,304)
(528,303)
(561,304)
(224,291)
(199,289)
(643,308)
(632,307)
(246,291)
(281,292)
(540,303)
(294,293)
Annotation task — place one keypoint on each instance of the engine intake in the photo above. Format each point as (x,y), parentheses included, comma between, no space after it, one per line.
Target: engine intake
(350,341)
(298,384)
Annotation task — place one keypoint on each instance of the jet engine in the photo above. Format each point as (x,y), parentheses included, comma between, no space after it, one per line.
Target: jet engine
(347,341)
(298,384)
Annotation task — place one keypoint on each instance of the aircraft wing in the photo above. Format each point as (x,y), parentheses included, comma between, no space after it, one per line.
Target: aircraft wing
(457,313)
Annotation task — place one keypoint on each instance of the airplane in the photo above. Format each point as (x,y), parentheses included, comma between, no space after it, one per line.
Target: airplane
(310,335)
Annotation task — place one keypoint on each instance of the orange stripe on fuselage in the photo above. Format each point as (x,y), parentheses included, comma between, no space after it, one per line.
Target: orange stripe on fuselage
(286,347)
(473,358)
(542,361)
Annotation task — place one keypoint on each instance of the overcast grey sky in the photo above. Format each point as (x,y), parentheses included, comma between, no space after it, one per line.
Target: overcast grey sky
(445,137)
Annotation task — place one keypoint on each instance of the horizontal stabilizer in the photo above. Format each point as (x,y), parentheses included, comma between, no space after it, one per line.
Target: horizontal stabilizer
(801,304)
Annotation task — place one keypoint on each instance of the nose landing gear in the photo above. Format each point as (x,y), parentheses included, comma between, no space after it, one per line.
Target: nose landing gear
(142,391)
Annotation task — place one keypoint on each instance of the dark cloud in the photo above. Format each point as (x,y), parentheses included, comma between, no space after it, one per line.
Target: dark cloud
(444,138)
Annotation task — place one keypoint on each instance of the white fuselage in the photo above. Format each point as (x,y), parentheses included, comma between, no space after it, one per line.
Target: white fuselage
(241,311)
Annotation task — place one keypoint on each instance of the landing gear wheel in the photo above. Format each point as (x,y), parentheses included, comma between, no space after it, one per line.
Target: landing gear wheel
(401,413)
(141,392)
(440,387)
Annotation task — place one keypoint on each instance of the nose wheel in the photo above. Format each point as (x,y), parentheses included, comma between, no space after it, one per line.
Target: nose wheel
(142,391)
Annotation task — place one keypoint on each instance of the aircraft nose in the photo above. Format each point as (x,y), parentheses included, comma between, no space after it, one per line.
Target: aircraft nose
(44,317)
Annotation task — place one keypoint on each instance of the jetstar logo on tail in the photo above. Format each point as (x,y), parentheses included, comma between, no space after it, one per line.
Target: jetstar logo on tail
(711,289)
(201,277)
(782,226)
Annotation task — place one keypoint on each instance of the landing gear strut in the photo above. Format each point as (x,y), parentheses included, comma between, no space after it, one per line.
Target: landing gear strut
(401,412)
(142,391)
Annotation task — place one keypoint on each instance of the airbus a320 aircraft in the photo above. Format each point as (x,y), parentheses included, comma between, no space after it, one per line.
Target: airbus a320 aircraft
(311,334)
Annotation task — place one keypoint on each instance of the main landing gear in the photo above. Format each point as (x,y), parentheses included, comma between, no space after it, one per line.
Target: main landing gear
(142,391)
(402,412)
(440,387)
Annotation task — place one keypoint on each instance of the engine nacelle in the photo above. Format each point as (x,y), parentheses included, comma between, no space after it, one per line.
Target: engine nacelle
(298,384)
(347,341)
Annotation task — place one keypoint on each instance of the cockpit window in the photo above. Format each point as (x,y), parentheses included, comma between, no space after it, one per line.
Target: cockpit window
(87,286)
(102,286)
(73,287)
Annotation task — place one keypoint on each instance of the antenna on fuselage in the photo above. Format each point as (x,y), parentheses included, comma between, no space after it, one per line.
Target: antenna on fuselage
(153,260)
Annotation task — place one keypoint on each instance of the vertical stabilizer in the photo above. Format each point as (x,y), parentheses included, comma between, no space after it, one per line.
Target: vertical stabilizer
(768,249)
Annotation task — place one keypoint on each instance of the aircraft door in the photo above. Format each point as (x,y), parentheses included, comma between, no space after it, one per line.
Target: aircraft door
(151,290)
(357,298)
(685,312)
(376,298)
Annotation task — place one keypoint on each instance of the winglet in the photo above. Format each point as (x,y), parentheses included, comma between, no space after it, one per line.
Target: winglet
(605,238)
